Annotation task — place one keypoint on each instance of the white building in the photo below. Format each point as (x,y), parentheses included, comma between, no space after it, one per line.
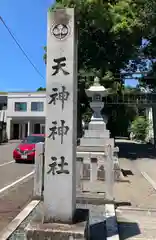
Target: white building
(25,114)
(3,100)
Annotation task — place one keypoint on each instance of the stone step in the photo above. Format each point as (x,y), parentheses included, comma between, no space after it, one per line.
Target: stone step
(97,134)
(96,220)
(94,147)
(96,142)
(136,224)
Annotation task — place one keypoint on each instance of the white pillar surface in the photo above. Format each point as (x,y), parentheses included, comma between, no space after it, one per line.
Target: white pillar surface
(109,172)
(93,170)
(8,128)
(29,128)
(79,173)
(38,178)
(61,119)
(2,115)
(23,130)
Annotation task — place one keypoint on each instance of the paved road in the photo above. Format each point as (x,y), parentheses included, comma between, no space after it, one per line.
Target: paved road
(9,170)
(140,192)
(14,199)
(141,156)
(136,158)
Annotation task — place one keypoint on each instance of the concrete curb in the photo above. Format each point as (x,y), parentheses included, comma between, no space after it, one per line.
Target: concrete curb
(10,229)
(149,180)
(111,222)
(132,209)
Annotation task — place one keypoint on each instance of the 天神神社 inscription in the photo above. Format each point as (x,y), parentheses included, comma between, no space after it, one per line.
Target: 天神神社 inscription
(61,118)
(60,64)
(61,130)
(59,95)
(58,167)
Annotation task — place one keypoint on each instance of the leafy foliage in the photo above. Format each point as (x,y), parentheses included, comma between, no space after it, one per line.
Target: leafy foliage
(41,89)
(147,53)
(110,34)
(140,127)
(45,54)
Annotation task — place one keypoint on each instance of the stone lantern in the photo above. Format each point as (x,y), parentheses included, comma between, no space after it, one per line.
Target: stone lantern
(96,93)
(94,144)
(97,135)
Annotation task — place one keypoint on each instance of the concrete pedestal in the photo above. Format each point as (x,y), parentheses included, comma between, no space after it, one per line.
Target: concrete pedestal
(92,145)
(96,137)
(79,229)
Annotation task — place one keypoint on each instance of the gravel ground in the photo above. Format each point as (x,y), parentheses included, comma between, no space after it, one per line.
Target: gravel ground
(97,222)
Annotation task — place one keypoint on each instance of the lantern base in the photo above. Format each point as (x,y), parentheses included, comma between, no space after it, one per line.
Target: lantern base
(96,135)
(97,126)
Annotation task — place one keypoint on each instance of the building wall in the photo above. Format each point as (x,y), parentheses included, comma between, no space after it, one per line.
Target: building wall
(24,116)
(3,117)
(28,98)
(3,101)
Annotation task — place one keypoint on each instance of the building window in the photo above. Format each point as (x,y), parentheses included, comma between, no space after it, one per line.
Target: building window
(37,106)
(20,106)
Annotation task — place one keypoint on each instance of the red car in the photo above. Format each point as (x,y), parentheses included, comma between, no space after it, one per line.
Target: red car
(26,149)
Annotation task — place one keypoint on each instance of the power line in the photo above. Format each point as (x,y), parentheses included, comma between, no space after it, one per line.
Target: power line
(11,34)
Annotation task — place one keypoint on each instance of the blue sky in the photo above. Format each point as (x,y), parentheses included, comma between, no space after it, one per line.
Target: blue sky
(131,82)
(28,22)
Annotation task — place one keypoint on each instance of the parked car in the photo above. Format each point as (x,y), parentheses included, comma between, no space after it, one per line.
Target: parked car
(26,149)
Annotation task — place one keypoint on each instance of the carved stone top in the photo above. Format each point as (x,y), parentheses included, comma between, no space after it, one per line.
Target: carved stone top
(96,88)
(96,81)
(61,17)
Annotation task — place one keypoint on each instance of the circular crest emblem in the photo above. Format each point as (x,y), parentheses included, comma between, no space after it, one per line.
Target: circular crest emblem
(60,31)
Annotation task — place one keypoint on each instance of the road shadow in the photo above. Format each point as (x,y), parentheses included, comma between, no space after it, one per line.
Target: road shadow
(122,204)
(126,172)
(98,231)
(133,151)
(24,162)
(128,230)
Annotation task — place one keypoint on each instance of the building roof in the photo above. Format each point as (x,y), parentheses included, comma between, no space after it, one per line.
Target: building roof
(20,92)
(3,93)
(26,92)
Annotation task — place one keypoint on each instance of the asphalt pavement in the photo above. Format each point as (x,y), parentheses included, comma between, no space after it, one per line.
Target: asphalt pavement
(15,193)
(134,158)
(9,170)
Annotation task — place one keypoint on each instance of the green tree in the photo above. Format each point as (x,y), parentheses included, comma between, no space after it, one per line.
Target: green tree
(109,33)
(140,127)
(45,54)
(147,53)
(41,89)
